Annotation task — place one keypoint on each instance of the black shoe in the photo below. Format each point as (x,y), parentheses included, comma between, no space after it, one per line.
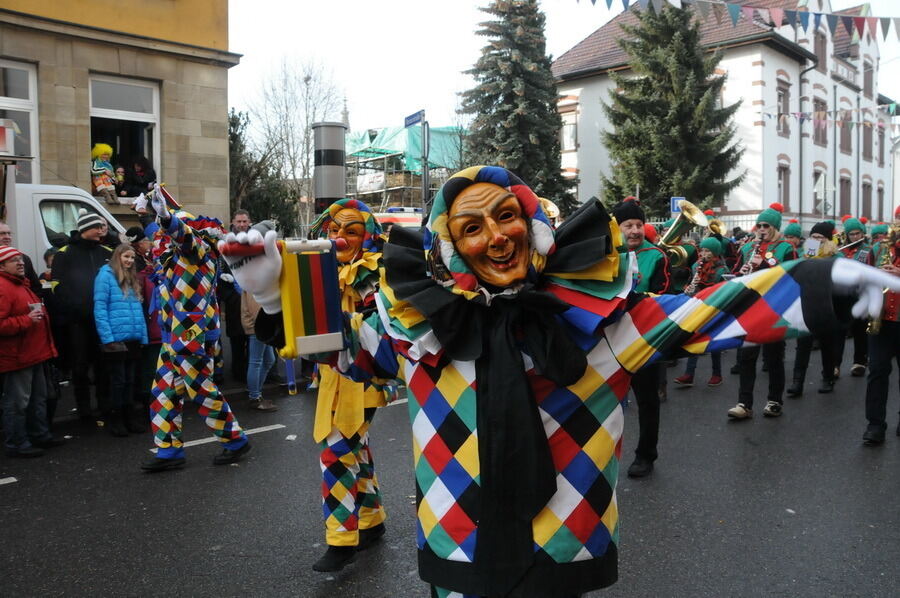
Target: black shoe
(796,388)
(335,558)
(226,457)
(826,386)
(873,436)
(115,425)
(735,369)
(369,537)
(49,442)
(640,468)
(134,422)
(25,453)
(154,464)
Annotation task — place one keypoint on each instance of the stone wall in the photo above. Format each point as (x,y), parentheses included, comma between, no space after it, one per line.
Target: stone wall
(193,127)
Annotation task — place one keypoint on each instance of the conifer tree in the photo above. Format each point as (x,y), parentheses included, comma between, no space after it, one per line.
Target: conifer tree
(669,137)
(516,124)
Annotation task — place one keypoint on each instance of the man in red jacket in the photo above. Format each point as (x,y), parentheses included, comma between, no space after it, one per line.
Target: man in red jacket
(25,347)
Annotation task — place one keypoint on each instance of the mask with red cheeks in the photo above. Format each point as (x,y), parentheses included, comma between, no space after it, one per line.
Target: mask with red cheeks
(348,224)
(490,233)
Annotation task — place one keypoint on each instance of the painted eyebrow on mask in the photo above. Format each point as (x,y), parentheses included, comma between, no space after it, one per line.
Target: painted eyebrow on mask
(493,206)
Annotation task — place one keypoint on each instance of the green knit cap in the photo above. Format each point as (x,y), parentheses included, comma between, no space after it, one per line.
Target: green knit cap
(854,224)
(668,223)
(713,244)
(880,229)
(793,230)
(771,215)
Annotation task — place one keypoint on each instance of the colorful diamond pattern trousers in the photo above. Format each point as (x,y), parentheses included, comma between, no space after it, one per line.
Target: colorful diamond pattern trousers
(351,500)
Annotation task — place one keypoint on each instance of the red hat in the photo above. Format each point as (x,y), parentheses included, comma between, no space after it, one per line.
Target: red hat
(8,252)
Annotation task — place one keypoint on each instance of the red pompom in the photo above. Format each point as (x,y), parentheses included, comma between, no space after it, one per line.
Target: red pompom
(897,212)
(632,198)
(794,221)
(650,232)
(863,219)
(708,213)
(777,207)
(846,217)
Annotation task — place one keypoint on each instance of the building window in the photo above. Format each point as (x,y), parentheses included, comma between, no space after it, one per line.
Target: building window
(18,103)
(784,185)
(846,139)
(881,145)
(125,115)
(784,108)
(845,195)
(820,133)
(821,49)
(867,142)
(568,138)
(882,209)
(868,78)
(867,200)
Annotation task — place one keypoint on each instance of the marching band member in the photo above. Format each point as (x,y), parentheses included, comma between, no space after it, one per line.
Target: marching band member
(856,248)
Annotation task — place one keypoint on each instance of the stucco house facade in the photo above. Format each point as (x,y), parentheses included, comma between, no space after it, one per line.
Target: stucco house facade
(819,168)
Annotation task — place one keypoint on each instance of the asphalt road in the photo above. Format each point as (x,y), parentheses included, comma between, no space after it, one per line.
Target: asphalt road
(793,506)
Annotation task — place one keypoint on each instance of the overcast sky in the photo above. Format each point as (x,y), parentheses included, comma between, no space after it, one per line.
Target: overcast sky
(394,57)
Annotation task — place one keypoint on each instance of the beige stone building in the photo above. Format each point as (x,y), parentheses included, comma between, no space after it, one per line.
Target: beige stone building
(152,84)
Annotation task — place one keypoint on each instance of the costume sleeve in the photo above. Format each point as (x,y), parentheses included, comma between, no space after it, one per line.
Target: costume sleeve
(183,237)
(371,353)
(659,282)
(780,302)
(101,308)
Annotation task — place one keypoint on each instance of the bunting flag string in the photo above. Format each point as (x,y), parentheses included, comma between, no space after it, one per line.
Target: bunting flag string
(778,17)
(891,109)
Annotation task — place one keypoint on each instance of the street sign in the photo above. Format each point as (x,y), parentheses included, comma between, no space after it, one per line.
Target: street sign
(414,118)
(673,204)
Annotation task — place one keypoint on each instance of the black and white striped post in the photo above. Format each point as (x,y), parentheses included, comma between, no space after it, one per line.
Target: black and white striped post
(329,163)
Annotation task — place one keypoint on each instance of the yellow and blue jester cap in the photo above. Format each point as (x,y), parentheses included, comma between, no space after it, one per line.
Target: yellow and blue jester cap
(372,238)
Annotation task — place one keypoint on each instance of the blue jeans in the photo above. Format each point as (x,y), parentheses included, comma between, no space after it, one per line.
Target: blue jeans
(25,407)
(716,357)
(260,360)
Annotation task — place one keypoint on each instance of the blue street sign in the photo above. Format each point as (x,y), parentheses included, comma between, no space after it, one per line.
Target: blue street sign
(414,118)
(673,204)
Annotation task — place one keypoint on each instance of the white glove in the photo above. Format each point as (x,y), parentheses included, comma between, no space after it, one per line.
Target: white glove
(854,278)
(140,204)
(257,274)
(158,203)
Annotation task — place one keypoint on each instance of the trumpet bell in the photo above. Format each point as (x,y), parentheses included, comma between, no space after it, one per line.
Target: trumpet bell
(689,216)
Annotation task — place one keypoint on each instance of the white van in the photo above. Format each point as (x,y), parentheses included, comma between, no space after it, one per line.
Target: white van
(44,215)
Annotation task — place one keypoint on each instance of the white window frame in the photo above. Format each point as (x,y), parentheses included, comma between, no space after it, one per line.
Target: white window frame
(31,106)
(128,115)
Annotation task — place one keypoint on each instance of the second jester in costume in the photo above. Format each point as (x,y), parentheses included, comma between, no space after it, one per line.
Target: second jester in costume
(351,501)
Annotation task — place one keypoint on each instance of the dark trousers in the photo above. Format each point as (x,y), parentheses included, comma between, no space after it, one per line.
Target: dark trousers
(85,355)
(144,372)
(860,343)
(645,384)
(121,381)
(883,347)
(828,347)
(773,357)
(239,357)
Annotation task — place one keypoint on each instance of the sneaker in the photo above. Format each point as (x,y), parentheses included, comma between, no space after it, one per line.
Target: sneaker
(837,373)
(772,409)
(858,370)
(714,380)
(265,405)
(49,442)
(873,436)
(684,380)
(740,411)
(227,456)
(826,386)
(254,403)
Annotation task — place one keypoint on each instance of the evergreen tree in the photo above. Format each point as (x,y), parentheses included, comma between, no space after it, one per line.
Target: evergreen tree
(255,182)
(668,136)
(516,124)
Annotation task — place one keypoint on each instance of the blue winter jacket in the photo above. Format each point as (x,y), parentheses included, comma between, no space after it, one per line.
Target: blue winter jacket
(118,317)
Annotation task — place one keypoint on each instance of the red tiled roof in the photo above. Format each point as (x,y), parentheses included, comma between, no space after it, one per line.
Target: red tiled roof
(842,40)
(599,50)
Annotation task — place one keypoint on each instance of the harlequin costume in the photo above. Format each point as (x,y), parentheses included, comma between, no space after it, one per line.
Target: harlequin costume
(351,499)
(515,394)
(185,258)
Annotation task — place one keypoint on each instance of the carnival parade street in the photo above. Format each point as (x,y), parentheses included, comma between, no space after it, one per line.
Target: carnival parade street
(790,506)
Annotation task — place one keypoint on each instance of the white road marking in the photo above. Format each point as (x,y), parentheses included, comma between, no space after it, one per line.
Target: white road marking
(216,439)
(8,481)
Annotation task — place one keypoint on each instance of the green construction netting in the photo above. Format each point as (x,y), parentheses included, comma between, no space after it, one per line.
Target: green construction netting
(443,151)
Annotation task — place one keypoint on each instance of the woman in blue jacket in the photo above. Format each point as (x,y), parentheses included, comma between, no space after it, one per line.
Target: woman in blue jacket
(119,314)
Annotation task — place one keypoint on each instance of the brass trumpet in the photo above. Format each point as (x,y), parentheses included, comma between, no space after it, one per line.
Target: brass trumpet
(689,216)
